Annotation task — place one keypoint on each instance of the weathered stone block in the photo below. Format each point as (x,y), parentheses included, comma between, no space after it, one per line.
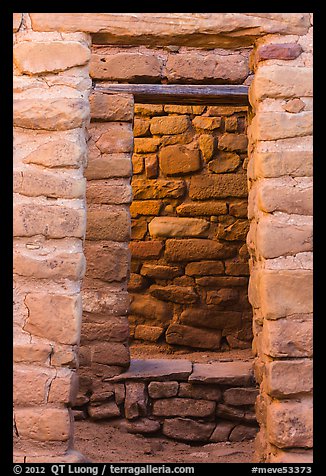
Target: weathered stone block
(243,432)
(111,107)
(108,192)
(136,400)
(290,423)
(283,51)
(202,209)
(227,163)
(224,296)
(64,387)
(163,389)
(280,125)
(204,187)
(236,373)
(291,196)
(43,424)
(223,281)
(240,396)
(229,412)
(112,329)
(238,230)
(146,144)
(204,268)
(126,66)
(239,209)
(50,114)
(138,230)
(179,159)
(158,271)
(144,189)
(136,282)
(141,126)
(222,431)
(54,316)
(145,249)
(151,166)
(111,353)
(207,145)
(56,153)
(169,124)
(104,411)
(107,260)
(116,138)
(151,308)
(174,226)
(108,222)
(149,109)
(108,166)
(211,317)
(183,407)
(233,142)
(178,294)
(148,333)
(287,378)
(29,385)
(197,391)
(187,430)
(156,369)
(137,164)
(146,207)
(143,425)
(194,249)
(35,57)
(207,123)
(193,337)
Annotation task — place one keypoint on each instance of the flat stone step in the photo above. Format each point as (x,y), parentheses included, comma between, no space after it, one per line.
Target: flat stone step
(237,373)
(155,369)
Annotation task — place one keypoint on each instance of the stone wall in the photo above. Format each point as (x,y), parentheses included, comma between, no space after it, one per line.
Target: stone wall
(189,402)
(189,261)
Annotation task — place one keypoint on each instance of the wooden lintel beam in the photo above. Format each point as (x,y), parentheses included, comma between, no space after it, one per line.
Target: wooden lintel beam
(181,94)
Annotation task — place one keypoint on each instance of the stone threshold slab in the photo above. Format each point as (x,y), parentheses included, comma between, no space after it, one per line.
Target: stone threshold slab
(236,373)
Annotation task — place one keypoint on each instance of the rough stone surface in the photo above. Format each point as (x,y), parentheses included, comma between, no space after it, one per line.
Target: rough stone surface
(107,410)
(179,160)
(194,337)
(183,407)
(217,186)
(222,431)
(223,373)
(111,107)
(171,226)
(187,430)
(156,369)
(163,389)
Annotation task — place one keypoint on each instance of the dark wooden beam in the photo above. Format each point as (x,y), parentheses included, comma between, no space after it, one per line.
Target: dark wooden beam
(180,94)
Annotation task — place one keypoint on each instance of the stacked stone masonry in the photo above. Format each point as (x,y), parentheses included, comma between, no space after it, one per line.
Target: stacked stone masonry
(51,111)
(183,401)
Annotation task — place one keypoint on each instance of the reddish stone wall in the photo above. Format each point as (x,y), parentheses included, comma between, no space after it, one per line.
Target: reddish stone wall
(189,266)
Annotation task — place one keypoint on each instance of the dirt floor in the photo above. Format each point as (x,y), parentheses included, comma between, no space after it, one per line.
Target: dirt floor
(103,443)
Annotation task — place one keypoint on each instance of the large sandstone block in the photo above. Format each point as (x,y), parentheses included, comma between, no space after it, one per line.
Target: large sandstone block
(29,385)
(288,195)
(50,114)
(109,192)
(186,429)
(283,235)
(108,222)
(278,81)
(281,125)
(207,123)
(146,144)
(156,369)
(178,294)
(284,293)
(111,107)
(169,124)
(160,271)
(236,373)
(116,138)
(54,316)
(146,207)
(54,184)
(240,396)
(108,261)
(207,145)
(148,333)
(211,317)
(290,423)
(204,187)
(126,67)
(204,268)
(174,226)
(36,57)
(288,337)
(111,329)
(194,249)
(288,377)
(63,153)
(50,220)
(43,424)
(179,159)
(229,162)
(197,391)
(108,166)
(163,389)
(183,407)
(151,308)
(64,387)
(108,301)
(145,189)
(193,337)
(202,209)
(145,249)
(111,353)
(141,126)
(233,142)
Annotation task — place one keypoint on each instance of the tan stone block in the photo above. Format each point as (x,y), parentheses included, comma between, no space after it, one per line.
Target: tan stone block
(36,352)
(235,268)
(202,209)
(54,316)
(207,123)
(163,389)
(197,391)
(107,261)
(227,163)
(274,81)
(221,110)
(53,221)
(108,166)
(237,230)
(137,164)
(125,66)
(56,153)
(146,207)
(287,378)
(286,195)
(107,410)
(283,235)
(138,229)
(210,317)
(136,400)
(218,186)
(108,222)
(178,109)
(43,424)
(50,114)
(169,125)
(146,144)
(64,387)
(106,300)
(32,183)
(145,249)
(280,125)
(233,142)
(175,226)
(151,308)
(149,109)
(108,329)
(186,429)
(207,145)
(183,407)
(195,249)
(240,396)
(221,281)
(294,105)
(109,192)
(178,294)
(151,166)
(231,124)
(36,57)
(239,209)
(158,271)
(141,127)
(290,337)
(30,384)
(289,423)
(116,138)
(204,268)
(111,353)
(48,260)
(284,157)
(148,333)
(144,189)
(193,337)
(286,292)
(222,431)
(179,159)
(111,107)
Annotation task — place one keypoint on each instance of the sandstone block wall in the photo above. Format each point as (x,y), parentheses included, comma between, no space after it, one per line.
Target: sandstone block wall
(189,268)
